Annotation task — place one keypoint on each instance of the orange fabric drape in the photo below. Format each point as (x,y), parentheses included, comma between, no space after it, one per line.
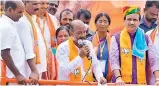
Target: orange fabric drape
(52,29)
(77,74)
(51,65)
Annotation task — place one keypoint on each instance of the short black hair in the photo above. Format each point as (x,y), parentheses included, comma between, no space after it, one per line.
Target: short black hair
(151,3)
(100,15)
(139,17)
(85,12)
(62,28)
(66,10)
(11,4)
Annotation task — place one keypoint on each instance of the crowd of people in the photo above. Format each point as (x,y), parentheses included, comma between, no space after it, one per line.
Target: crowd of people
(36,45)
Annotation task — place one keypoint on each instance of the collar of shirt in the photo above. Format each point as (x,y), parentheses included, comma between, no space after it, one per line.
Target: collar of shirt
(8,19)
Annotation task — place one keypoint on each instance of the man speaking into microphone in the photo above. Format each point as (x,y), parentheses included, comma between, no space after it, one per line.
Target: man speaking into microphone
(72,57)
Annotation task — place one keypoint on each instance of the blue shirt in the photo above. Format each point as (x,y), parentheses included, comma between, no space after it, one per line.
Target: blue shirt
(105,56)
(145,27)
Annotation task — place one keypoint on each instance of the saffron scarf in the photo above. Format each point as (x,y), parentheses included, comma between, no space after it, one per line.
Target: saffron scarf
(51,62)
(153,34)
(77,75)
(126,60)
(51,28)
(96,43)
(36,48)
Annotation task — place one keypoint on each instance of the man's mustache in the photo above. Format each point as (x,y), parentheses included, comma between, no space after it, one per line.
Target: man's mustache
(82,38)
(52,9)
(132,25)
(67,24)
(36,9)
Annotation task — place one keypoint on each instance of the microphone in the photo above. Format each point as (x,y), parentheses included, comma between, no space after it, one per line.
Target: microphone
(84,43)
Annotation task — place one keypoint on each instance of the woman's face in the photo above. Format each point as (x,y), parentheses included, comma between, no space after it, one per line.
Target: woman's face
(62,36)
(102,24)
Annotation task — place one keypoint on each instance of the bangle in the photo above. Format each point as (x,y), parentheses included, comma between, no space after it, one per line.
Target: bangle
(118,77)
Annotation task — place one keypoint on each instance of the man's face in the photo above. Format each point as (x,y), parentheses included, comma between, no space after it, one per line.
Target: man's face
(84,20)
(151,13)
(17,13)
(32,6)
(79,32)
(52,8)
(43,6)
(66,18)
(132,22)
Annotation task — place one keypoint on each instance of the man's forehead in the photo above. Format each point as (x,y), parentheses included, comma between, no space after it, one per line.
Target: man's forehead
(153,8)
(53,1)
(133,16)
(31,1)
(67,14)
(80,28)
(79,25)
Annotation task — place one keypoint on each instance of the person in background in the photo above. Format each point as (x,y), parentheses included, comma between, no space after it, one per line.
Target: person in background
(131,50)
(101,43)
(48,29)
(62,34)
(85,16)
(52,9)
(151,10)
(53,6)
(66,17)
(19,65)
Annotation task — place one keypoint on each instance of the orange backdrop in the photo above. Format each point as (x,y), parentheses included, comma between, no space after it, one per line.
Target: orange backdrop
(113,8)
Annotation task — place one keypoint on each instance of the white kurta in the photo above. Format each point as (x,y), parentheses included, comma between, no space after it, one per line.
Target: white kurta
(156,43)
(27,39)
(65,67)
(44,24)
(10,39)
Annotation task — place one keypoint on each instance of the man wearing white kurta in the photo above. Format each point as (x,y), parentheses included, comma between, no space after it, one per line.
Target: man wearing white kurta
(67,67)
(155,39)
(47,30)
(25,31)
(18,65)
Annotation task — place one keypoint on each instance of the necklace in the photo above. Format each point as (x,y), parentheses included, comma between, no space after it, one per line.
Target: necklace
(101,50)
